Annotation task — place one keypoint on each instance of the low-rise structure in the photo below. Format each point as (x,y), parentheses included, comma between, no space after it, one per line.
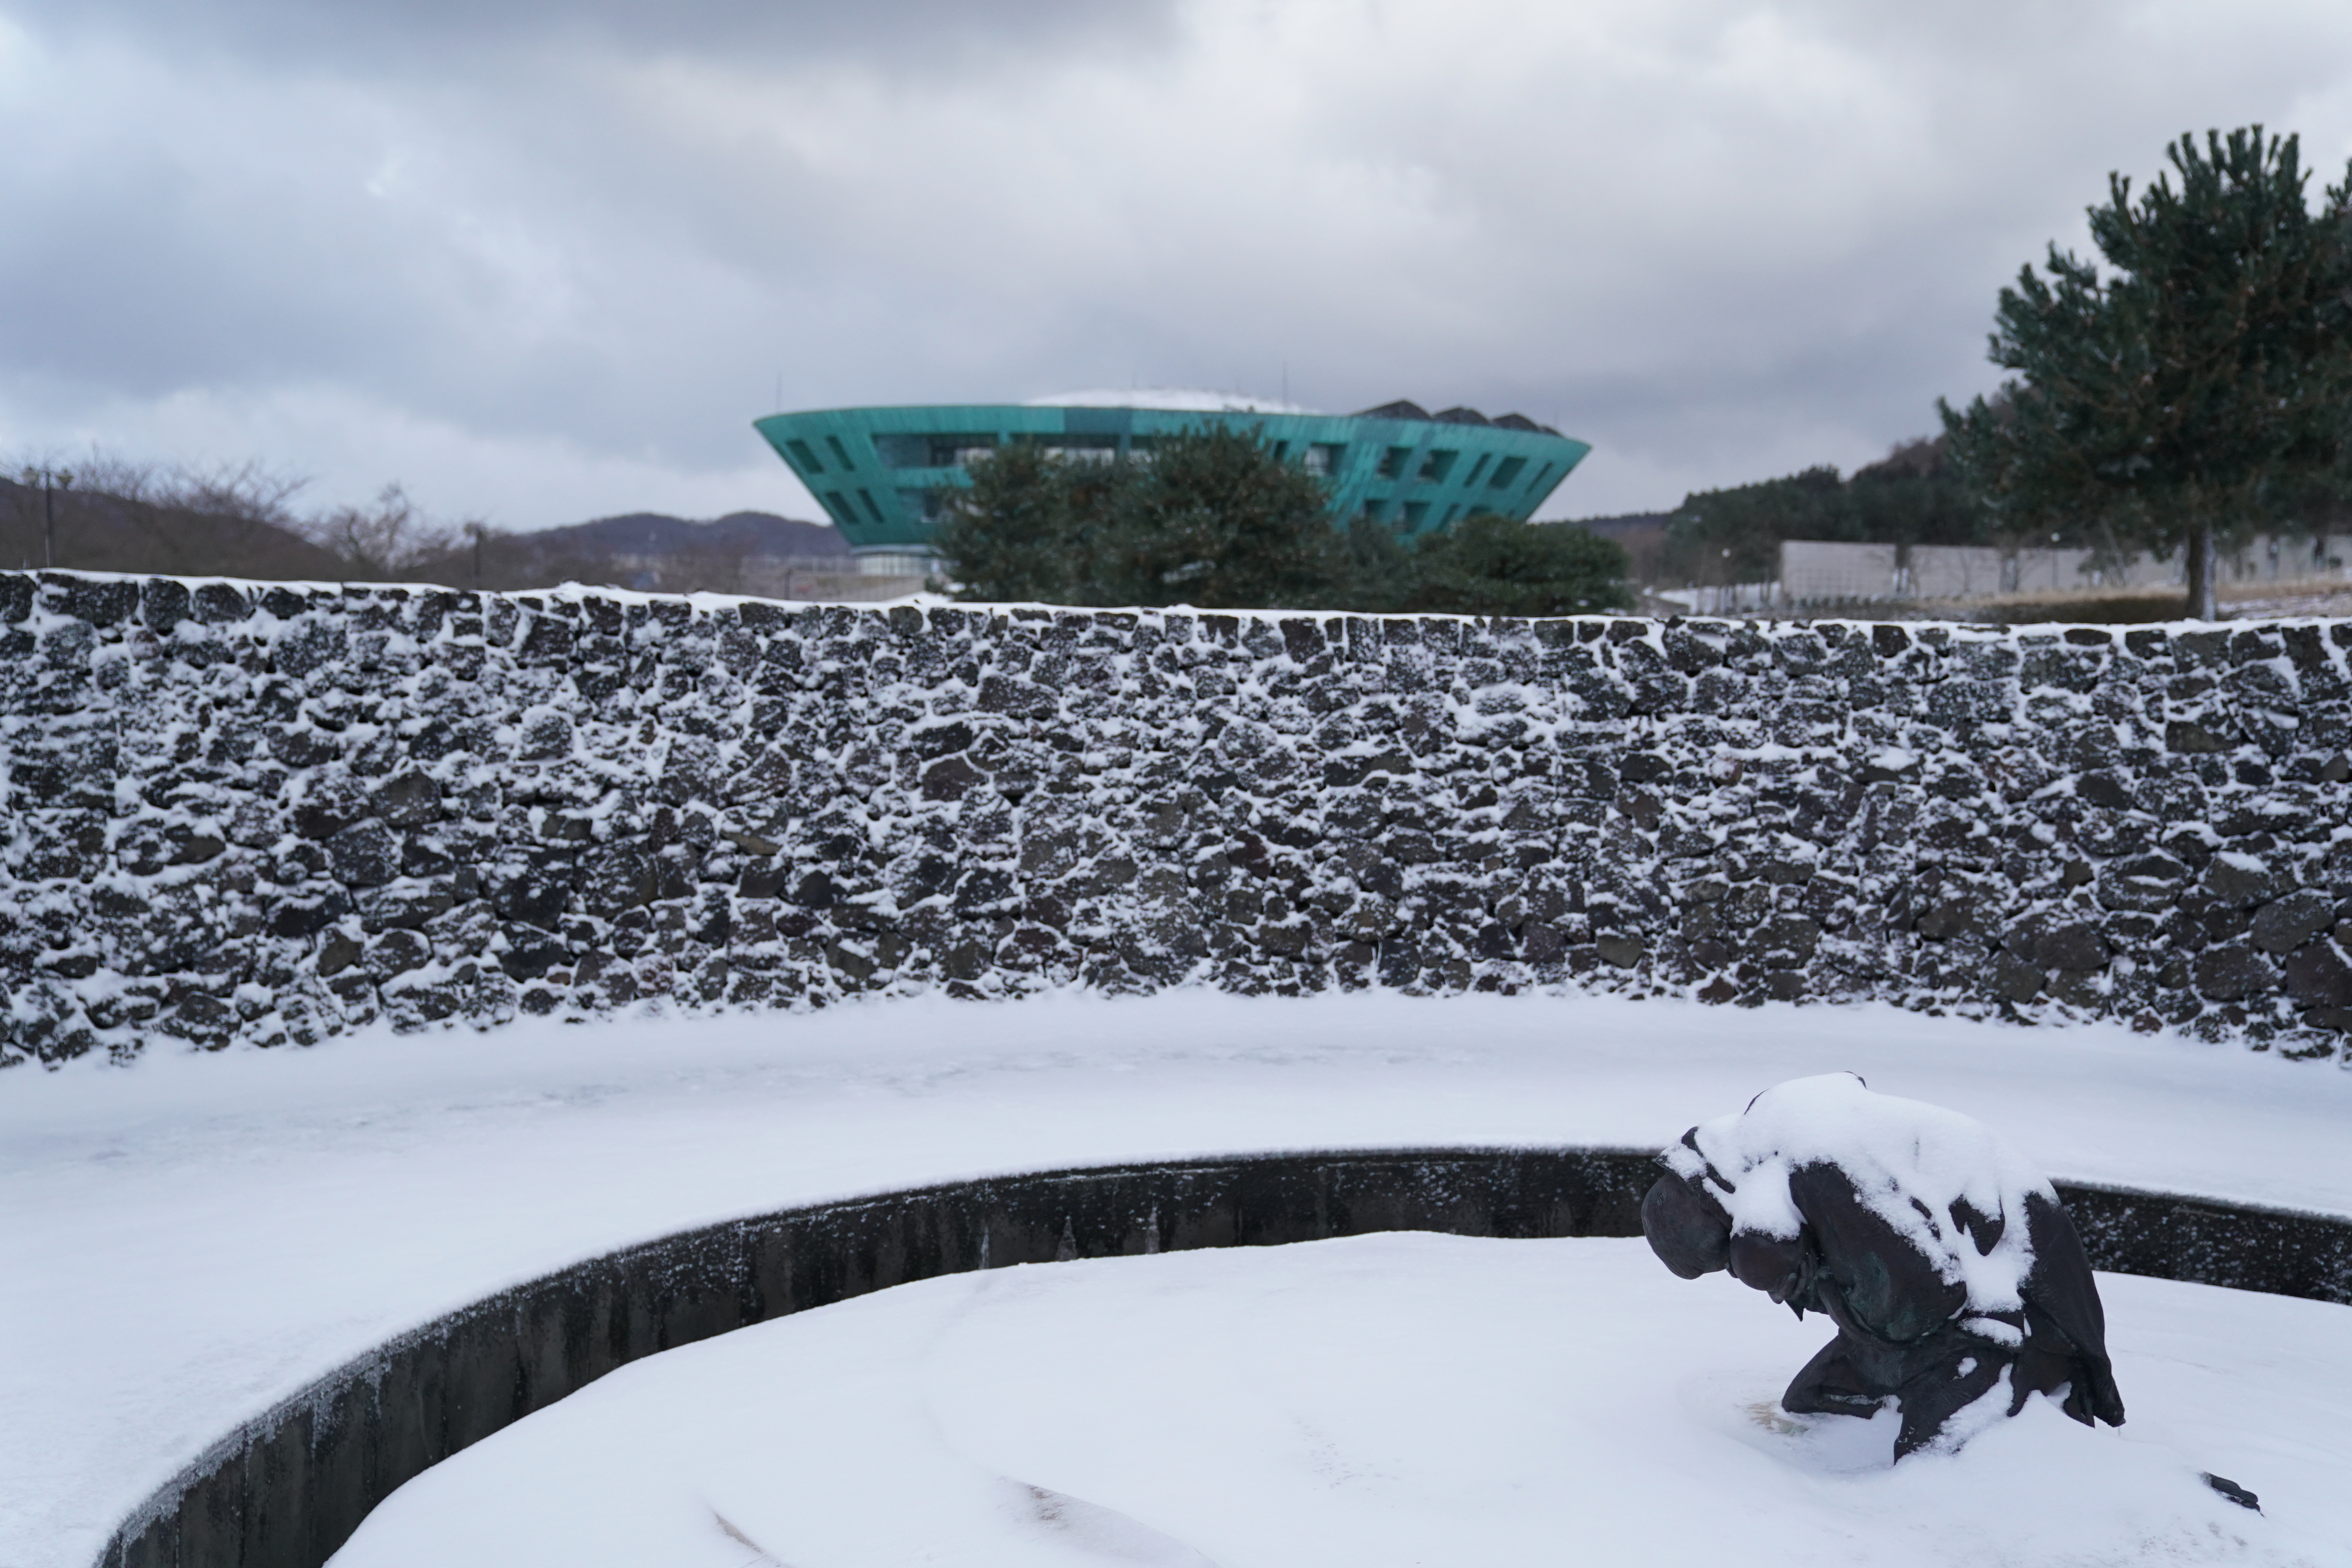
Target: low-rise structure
(886,476)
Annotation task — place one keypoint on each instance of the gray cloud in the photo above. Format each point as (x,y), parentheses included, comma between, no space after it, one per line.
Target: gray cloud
(544,261)
(901,35)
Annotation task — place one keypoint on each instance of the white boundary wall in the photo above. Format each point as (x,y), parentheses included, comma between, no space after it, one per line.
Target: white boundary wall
(1815,571)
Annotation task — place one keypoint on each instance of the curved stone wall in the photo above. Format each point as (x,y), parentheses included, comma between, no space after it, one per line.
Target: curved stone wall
(269,813)
(287,1489)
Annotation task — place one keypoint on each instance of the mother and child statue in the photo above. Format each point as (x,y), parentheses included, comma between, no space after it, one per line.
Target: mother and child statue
(1956,1279)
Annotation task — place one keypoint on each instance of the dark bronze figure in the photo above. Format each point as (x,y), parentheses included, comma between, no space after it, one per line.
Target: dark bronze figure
(1944,1265)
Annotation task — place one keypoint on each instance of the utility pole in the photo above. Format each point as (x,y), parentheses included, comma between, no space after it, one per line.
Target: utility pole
(50,480)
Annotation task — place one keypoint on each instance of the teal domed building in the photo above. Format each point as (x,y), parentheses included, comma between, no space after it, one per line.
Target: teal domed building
(884,475)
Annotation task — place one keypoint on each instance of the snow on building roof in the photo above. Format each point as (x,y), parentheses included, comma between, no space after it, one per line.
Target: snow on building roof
(1174,400)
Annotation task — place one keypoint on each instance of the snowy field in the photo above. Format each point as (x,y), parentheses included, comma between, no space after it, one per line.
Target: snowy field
(1378,1400)
(188,1240)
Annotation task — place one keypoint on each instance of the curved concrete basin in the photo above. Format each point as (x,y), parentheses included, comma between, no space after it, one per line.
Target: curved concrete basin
(287,1489)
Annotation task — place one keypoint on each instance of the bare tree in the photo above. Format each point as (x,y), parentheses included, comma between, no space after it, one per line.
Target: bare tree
(228,518)
(123,514)
(383,541)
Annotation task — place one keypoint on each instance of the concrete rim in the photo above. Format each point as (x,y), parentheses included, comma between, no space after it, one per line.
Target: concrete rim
(286,1488)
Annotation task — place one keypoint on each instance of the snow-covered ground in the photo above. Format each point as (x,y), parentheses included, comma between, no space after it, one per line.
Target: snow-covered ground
(187,1240)
(1378,1400)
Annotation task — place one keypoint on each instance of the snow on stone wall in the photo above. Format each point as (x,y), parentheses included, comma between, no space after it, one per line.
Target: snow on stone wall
(268,812)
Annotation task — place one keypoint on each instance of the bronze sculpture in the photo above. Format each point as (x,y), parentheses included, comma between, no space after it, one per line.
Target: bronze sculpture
(1949,1266)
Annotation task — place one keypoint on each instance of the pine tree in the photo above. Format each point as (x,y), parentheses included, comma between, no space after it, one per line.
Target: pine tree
(1209,517)
(1029,528)
(1489,565)
(2197,385)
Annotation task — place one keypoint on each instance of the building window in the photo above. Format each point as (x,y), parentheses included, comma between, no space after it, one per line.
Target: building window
(1451,513)
(1505,472)
(1414,511)
(925,504)
(1323,456)
(804,456)
(1282,452)
(1436,466)
(840,453)
(1541,473)
(1475,469)
(897,563)
(935,449)
(839,508)
(1372,510)
(1393,460)
(872,510)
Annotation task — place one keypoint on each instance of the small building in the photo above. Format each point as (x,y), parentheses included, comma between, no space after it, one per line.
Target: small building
(885,475)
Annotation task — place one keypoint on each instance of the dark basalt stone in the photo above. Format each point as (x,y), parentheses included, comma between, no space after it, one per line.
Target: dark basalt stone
(2319,976)
(366,854)
(163,603)
(395,952)
(2232,972)
(307,915)
(98,601)
(2285,925)
(2238,884)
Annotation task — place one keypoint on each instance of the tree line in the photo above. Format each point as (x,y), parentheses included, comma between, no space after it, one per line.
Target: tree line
(1915,497)
(104,513)
(1214,519)
(2189,386)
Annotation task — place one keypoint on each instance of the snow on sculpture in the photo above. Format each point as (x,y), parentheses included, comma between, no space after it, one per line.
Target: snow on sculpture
(1953,1273)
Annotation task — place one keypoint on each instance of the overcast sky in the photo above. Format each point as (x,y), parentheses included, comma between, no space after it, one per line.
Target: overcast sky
(543,262)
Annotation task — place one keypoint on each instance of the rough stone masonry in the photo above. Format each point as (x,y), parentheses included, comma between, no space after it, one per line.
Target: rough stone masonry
(241,812)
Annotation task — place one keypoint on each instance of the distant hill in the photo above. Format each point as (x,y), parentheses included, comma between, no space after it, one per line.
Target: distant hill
(658,533)
(742,552)
(133,521)
(97,531)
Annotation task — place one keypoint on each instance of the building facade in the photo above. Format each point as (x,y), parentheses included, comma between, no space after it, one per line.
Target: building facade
(886,476)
